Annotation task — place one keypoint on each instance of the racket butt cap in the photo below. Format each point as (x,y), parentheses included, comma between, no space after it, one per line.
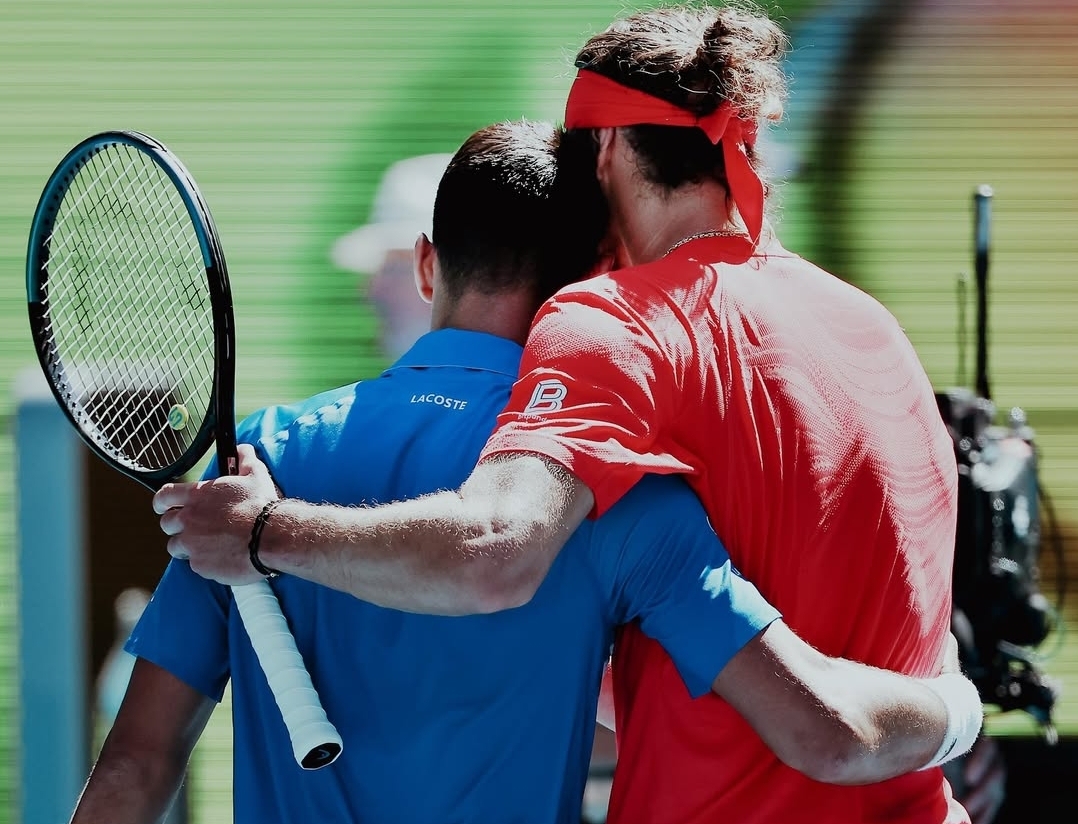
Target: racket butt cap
(321,756)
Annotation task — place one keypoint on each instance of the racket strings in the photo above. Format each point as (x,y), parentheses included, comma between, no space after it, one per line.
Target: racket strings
(129,310)
(137,261)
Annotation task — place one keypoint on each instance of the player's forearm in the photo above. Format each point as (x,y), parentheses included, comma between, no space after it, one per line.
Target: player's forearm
(432,554)
(145,754)
(896,724)
(484,548)
(129,789)
(838,721)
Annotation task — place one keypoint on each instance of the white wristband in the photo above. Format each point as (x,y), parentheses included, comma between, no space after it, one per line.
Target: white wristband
(965,714)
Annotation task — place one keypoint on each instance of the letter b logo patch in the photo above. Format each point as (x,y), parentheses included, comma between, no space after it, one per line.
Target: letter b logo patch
(546,397)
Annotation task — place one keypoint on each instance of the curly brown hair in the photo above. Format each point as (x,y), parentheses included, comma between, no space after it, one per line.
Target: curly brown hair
(695,58)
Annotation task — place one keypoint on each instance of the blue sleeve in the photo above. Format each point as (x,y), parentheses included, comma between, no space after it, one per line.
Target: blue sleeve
(670,572)
(269,429)
(184,629)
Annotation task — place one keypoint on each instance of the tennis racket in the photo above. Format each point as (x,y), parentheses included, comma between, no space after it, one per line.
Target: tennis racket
(131,315)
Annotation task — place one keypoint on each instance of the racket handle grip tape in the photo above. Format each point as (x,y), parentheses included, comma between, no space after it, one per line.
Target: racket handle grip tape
(315,741)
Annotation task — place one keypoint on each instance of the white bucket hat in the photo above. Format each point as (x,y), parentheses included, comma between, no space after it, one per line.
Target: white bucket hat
(403,206)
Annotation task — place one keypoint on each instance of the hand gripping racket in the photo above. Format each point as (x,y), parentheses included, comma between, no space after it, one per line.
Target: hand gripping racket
(131,314)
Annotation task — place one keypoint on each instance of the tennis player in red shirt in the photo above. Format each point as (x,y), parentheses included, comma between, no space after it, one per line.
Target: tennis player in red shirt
(791,401)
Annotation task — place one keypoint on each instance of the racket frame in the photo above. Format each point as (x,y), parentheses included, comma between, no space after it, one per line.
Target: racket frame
(218,424)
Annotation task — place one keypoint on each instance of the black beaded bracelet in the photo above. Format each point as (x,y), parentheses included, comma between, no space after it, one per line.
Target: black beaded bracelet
(256,536)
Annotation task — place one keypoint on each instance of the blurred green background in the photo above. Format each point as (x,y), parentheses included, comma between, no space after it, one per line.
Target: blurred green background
(288,113)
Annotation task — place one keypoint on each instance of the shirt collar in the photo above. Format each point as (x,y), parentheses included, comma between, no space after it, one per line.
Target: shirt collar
(464,350)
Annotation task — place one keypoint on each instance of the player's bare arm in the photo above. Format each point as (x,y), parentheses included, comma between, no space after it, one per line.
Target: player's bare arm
(837,721)
(482,548)
(842,722)
(145,755)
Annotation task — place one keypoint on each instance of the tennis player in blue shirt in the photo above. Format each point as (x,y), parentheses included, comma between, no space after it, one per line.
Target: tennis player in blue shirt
(483,718)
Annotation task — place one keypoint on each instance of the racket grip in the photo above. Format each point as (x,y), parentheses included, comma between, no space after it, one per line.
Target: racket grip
(315,741)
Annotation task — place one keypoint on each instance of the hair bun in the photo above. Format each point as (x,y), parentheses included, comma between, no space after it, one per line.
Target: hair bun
(743,53)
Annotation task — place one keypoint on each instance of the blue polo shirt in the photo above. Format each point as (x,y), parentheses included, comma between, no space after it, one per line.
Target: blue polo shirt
(486,718)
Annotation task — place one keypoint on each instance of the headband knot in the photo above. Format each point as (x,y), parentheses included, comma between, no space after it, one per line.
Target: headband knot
(596,101)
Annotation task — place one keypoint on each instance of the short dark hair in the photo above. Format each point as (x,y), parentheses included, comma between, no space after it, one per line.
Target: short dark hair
(695,58)
(519,205)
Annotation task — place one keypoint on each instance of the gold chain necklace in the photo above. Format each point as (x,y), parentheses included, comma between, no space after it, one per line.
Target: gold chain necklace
(701,235)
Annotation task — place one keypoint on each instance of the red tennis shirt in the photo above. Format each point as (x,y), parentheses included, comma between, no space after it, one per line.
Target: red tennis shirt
(801,416)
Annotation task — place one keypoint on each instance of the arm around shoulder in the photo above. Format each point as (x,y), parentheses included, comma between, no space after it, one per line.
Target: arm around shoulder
(483,548)
(842,722)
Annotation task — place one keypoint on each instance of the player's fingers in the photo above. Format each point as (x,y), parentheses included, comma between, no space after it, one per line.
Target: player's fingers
(170,496)
(171,522)
(983,801)
(978,762)
(177,550)
(249,464)
(984,758)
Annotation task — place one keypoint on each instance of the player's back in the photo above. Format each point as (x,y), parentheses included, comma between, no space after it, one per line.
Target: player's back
(834,477)
(444,719)
(827,471)
(477,718)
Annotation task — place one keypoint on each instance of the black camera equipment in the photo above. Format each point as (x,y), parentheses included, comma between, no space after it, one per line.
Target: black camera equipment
(1000,614)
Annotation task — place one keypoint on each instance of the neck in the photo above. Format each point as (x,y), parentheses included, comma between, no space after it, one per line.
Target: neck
(506,314)
(653,220)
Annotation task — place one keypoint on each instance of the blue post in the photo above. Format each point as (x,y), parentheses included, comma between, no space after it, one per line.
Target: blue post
(53,679)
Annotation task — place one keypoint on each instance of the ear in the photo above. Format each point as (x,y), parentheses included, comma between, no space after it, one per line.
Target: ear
(607,140)
(424,261)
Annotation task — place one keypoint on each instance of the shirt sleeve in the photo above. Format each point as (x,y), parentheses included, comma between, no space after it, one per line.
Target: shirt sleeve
(184,629)
(672,574)
(596,389)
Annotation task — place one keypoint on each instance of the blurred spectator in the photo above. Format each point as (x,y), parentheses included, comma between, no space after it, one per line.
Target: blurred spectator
(116,669)
(382,248)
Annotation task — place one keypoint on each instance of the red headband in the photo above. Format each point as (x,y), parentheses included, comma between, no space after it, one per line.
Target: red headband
(596,102)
